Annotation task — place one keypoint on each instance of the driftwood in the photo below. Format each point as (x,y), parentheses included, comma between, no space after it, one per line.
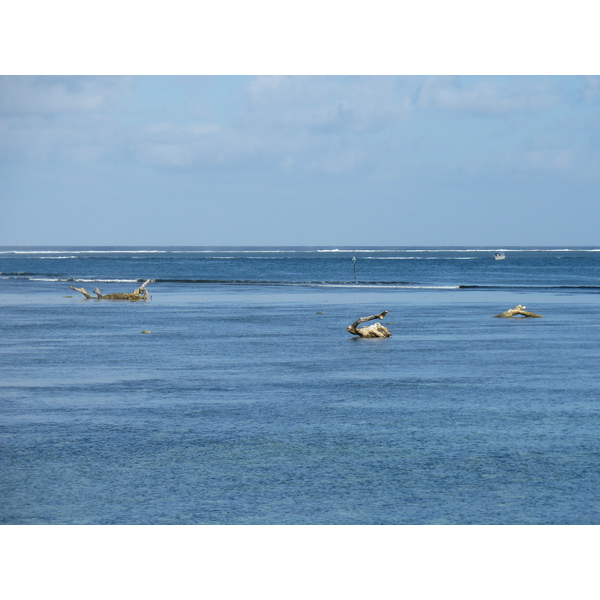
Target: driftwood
(517,310)
(371,331)
(140,293)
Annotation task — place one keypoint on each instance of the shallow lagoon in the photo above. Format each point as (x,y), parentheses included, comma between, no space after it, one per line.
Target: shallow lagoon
(251,404)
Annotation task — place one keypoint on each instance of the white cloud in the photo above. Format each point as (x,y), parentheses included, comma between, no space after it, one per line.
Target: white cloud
(590,89)
(488,95)
(323,103)
(172,144)
(302,124)
(77,139)
(172,132)
(48,95)
(553,159)
(360,104)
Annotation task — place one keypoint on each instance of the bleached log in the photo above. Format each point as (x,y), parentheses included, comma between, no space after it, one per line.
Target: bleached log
(517,310)
(370,331)
(140,293)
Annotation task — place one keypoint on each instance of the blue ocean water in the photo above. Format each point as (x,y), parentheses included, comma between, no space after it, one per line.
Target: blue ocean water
(249,403)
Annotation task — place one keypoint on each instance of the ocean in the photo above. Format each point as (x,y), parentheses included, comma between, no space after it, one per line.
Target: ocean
(248,402)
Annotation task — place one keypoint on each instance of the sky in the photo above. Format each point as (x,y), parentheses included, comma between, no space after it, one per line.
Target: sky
(345,160)
(320,123)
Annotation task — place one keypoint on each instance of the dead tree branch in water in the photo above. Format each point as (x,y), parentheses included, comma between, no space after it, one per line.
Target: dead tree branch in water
(371,331)
(140,293)
(517,310)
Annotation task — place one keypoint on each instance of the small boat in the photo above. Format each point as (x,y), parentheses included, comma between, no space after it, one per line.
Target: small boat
(499,256)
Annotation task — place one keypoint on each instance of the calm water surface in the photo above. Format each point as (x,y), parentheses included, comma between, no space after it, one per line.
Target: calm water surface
(249,403)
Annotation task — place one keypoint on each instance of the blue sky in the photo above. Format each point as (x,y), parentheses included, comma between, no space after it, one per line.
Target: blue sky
(300,160)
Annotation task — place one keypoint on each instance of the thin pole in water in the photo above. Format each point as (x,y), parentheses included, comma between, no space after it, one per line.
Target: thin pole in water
(354,261)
